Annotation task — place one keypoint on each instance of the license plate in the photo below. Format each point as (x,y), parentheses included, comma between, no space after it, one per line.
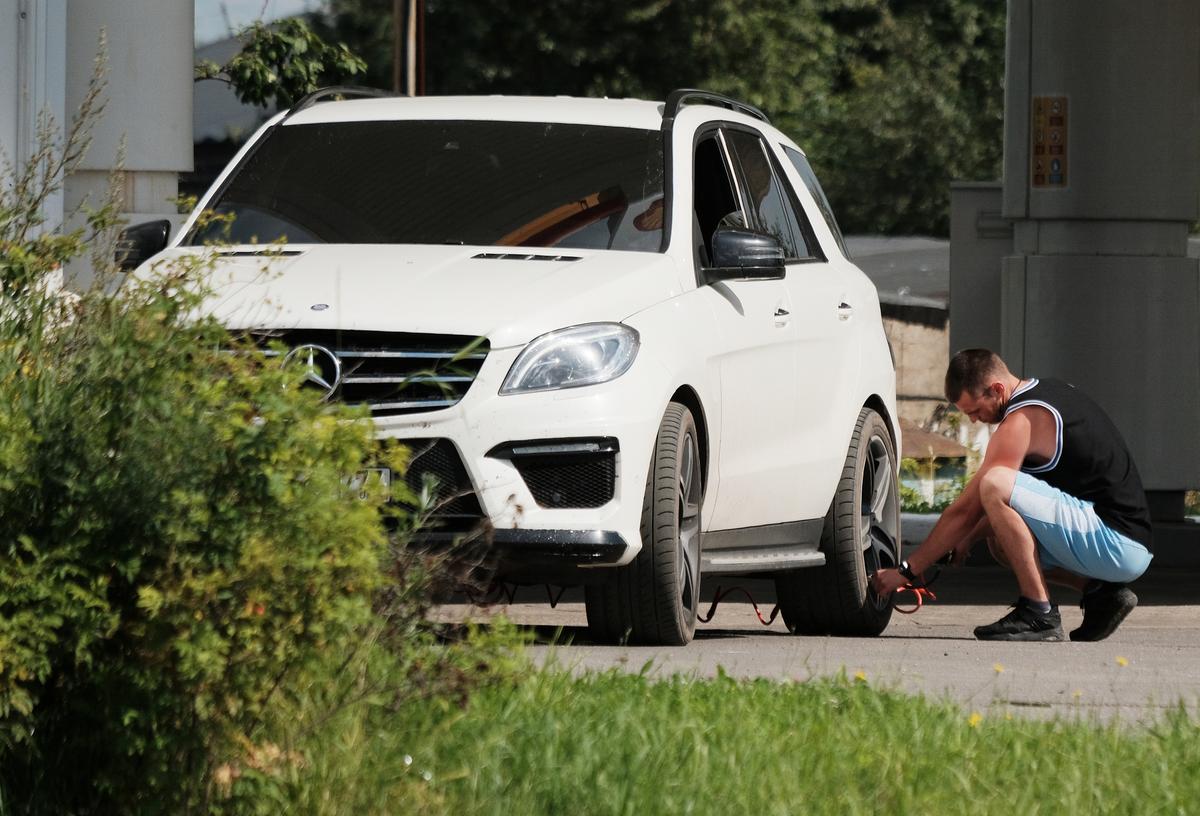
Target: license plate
(372,482)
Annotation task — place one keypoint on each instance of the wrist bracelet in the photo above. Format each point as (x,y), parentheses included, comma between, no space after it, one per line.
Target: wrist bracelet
(907,572)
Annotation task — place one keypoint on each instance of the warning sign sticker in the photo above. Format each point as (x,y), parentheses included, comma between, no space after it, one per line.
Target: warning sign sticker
(1049,143)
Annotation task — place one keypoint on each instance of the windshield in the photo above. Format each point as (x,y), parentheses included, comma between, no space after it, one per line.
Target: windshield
(448,182)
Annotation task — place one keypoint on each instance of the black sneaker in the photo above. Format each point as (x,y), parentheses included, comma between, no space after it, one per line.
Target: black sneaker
(1024,623)
(1103,610)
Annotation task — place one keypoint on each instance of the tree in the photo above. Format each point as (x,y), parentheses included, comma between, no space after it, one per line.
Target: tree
(282,62)
(893,98)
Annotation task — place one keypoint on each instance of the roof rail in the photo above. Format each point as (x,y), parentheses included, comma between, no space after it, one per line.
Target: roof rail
(677,98)
(321,94)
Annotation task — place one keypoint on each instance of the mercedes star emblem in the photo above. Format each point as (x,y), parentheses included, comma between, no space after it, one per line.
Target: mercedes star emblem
(322,368)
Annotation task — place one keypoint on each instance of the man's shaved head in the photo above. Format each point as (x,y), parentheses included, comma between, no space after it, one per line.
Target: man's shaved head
(971,371)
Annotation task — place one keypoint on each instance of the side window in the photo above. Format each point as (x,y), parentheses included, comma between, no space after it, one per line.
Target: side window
(766,193)
(714,198)
(814,187)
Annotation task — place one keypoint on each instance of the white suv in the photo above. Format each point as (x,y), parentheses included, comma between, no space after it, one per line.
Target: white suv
(671,367)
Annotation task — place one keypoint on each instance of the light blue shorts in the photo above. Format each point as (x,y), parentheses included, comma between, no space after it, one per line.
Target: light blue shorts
(1070,535)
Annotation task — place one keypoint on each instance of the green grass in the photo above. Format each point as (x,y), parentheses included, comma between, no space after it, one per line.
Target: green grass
(615,743)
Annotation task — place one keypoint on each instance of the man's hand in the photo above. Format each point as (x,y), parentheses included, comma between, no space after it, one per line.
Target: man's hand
(958,556)
(887,581)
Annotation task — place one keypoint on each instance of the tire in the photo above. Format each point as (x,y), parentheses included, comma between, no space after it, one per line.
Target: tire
(654,600)
(861,535)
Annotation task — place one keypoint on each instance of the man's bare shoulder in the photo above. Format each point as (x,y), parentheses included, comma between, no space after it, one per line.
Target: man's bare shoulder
(1042,425)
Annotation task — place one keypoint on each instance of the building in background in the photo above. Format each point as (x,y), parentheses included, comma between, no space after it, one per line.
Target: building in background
(47,53)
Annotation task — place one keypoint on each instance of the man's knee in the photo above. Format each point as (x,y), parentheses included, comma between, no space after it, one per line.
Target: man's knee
(996,486)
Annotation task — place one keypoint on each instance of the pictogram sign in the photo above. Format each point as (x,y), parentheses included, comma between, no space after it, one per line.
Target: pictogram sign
(1049,149)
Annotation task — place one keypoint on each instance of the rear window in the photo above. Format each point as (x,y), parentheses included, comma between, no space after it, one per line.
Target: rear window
(455,182)
(814,187)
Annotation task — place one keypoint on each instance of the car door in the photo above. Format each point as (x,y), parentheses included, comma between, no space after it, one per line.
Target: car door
(757,359)
(825,297)
(822,313)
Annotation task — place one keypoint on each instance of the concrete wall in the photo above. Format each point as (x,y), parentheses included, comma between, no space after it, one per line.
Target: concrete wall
(921,360)
(1099,289)
(47,53)
(32,79)
(147,126)
(979,239)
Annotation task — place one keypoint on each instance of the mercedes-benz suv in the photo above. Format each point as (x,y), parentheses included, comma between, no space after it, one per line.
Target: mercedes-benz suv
(624,336)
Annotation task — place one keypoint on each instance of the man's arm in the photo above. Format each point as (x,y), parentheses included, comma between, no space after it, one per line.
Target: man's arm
(1006,448)
(960,551)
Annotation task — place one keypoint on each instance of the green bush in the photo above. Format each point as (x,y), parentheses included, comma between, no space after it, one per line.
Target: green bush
(912,501)
(178,538)
(183,560)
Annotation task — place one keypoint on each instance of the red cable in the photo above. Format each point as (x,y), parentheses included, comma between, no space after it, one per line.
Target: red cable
(712,610)
(920,593)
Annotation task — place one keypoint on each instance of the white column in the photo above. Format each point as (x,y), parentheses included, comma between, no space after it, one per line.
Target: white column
(1102,179)
(149,111)
(32,79)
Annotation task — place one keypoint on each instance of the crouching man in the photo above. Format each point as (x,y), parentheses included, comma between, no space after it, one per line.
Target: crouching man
(1058,499)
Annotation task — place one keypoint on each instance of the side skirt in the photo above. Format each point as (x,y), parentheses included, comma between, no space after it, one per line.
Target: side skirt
(769,548)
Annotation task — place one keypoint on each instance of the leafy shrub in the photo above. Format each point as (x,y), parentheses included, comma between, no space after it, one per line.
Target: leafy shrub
(179,539)
(912,501)
(181,557)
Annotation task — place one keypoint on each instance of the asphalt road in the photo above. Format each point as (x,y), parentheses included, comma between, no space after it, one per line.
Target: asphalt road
(1151,663)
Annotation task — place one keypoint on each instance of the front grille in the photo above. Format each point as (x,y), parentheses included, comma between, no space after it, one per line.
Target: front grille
(456,508)
(394,373)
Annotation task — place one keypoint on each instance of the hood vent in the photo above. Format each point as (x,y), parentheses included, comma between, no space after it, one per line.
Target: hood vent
(523,256)
(266,252)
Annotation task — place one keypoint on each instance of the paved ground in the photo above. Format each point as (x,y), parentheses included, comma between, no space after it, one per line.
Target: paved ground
(1151,663)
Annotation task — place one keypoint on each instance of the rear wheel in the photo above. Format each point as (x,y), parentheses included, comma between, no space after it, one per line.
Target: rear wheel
(861,535)
(654,600)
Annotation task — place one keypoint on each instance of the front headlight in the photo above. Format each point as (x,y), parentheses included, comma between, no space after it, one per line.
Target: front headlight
(568,358)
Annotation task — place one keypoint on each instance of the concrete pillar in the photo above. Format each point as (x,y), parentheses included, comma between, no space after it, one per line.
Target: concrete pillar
(979,239)
(1102,181)
(149,111)
(32,80)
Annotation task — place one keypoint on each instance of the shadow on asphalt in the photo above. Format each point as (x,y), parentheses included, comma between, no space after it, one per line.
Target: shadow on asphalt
(988,585)
(972,585)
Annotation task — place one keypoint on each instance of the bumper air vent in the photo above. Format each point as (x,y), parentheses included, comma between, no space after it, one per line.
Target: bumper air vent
(457,508)
(565,473)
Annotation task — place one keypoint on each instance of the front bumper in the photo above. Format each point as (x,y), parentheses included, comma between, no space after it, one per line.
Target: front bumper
(496,437)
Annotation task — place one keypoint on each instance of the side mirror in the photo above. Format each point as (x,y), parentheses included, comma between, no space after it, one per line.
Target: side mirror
(139,243)
(742,254)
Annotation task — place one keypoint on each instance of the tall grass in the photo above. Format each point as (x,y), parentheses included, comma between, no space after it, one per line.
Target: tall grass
(613,743)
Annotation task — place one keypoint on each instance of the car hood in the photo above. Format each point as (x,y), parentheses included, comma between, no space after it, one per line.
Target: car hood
(509,296)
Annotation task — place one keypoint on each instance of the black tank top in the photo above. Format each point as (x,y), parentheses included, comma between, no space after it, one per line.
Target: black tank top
(1090,459)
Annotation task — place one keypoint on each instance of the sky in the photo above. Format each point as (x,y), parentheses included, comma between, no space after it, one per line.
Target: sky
(212,15)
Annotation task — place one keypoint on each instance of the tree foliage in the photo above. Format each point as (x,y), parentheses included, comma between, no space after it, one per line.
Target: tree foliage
(893,99)
(281,63)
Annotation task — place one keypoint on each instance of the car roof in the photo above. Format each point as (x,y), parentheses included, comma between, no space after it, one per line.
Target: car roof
(634,113)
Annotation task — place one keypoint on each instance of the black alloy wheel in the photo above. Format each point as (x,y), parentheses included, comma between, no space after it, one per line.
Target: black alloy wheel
(655,599)
(861,535)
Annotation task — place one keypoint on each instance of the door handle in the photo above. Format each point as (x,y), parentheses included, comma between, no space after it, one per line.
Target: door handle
(844,310)
(782,312)
(782,317)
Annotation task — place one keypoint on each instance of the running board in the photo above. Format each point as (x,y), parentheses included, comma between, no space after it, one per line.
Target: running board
(773,559)
(769,548)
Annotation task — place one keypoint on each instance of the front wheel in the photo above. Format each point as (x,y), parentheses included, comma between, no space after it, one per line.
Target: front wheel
(654,600)
(861,535)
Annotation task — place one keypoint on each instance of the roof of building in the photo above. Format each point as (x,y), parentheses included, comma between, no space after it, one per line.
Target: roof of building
(910,271)
(922,444)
